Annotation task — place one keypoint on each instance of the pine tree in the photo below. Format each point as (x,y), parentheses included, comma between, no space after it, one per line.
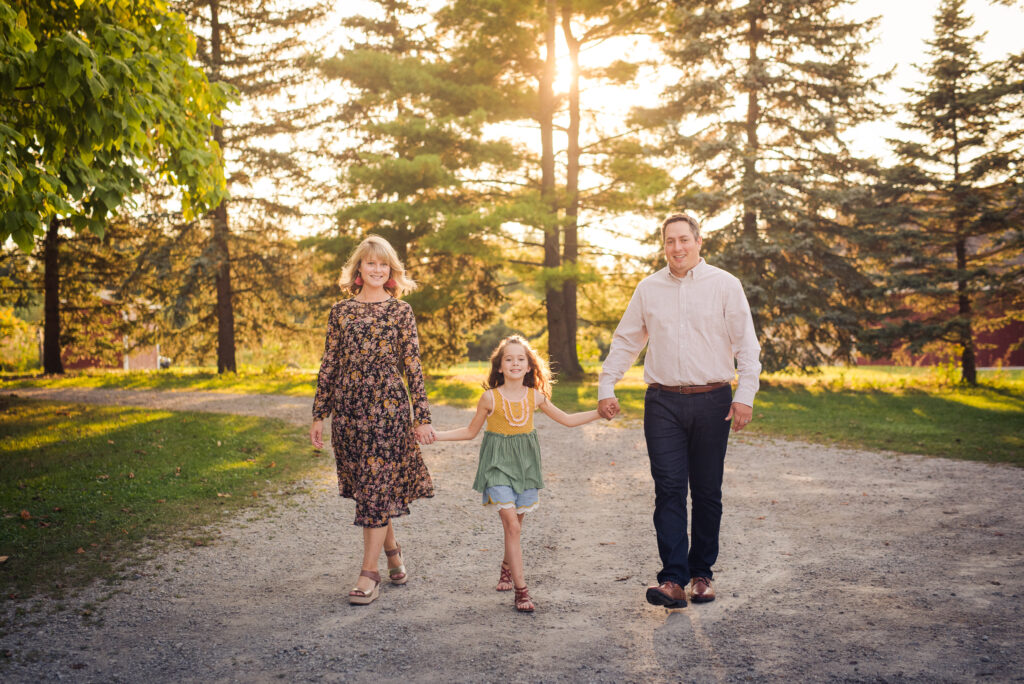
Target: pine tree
(952,211)
(767,91)
(263,50)
(414,131)
(511,48)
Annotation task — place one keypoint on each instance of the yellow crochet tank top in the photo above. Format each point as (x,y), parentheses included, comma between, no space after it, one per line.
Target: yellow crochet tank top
(512,417)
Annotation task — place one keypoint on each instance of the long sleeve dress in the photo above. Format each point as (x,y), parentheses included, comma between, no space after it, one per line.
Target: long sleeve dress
(370,345)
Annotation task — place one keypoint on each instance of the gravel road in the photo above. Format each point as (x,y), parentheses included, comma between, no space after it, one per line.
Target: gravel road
(835,565)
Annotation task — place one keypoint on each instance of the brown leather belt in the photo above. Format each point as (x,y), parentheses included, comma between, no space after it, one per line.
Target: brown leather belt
(688,389)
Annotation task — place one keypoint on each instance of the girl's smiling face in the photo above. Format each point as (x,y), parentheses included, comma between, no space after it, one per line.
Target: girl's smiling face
(514,362)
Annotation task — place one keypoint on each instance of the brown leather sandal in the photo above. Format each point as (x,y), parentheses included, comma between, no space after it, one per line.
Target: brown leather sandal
(505,582)
(524,604)
(358,597)
(397,575)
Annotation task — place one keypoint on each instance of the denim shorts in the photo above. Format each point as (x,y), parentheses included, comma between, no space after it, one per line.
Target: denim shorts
(504,496)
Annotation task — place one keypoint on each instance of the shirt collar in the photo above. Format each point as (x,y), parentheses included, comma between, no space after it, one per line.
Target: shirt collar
(696,273)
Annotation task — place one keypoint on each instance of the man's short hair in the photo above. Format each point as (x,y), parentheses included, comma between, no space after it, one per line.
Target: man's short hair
(685,218)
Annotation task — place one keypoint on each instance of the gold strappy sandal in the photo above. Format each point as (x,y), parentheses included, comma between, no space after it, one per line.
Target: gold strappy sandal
(358,597)
(397,575)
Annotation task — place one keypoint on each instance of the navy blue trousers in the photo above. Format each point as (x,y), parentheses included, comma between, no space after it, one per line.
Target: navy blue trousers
(687,435)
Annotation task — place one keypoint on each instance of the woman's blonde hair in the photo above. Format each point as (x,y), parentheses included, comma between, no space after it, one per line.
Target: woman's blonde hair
(538,377)
(378,247)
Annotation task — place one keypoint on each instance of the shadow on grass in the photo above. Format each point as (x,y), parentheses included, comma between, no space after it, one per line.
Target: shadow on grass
(86,486)
(977,424)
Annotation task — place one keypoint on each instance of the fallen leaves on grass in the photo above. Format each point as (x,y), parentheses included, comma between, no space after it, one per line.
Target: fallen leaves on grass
(25,515)
(224,494)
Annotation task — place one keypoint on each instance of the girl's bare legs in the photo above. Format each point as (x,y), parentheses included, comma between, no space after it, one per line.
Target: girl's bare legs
(373,542)
(503,584)
(513,524)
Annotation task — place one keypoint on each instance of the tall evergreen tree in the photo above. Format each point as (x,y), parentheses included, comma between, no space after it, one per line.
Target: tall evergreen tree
(262,49)
(953,210)
(768,88)
(512,49)
(413,127)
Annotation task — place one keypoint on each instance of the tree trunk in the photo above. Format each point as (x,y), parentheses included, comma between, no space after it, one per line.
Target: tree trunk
(968,362)
(221,232)
(225,310)
(753,114)
(571,367)
(51,299)
(553,298)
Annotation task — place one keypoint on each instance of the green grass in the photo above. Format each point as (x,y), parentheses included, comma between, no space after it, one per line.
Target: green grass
(247,381)
(909,410)
(85,487)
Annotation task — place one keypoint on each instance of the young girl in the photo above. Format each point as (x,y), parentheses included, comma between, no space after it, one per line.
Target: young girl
(508,474)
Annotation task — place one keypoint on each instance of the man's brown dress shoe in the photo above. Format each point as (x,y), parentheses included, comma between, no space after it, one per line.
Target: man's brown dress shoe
(668,594)
(701,590)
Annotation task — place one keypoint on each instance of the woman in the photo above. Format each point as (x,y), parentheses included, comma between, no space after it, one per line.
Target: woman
(371,341)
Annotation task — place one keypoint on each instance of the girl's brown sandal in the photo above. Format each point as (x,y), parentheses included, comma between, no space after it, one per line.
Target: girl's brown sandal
(505,579)
(524,604)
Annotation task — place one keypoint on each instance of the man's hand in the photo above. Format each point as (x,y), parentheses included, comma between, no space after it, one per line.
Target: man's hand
(316,434)
(608,408)
(425,434)
(740,414)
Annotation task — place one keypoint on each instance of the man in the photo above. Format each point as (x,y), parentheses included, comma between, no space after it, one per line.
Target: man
(695,320)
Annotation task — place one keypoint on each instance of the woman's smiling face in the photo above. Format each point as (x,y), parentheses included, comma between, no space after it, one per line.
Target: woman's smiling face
(375,270)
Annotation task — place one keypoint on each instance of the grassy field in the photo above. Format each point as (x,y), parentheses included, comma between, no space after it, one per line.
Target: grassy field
(247,381)
(84,487)
(909,410)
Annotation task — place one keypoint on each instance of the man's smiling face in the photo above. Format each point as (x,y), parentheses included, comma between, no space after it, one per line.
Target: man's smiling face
(682,249)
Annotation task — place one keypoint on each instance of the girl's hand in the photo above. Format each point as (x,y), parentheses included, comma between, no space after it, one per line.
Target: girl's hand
(316,434)
(425,434)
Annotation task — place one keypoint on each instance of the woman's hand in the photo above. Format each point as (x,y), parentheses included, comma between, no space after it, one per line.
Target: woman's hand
(316,434)
(425,434)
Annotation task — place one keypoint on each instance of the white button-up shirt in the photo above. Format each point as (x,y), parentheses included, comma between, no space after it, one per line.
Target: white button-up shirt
(694,327)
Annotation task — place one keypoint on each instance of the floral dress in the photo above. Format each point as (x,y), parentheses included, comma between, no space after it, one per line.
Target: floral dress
(369,347)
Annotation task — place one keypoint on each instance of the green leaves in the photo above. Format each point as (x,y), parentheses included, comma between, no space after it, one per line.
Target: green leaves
(98,96)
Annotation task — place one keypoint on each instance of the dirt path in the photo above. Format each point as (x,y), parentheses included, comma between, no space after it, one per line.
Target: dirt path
(836,565)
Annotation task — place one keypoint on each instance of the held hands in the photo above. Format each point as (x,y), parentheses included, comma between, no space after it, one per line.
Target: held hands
(741,414)
(425,434)
(608,408)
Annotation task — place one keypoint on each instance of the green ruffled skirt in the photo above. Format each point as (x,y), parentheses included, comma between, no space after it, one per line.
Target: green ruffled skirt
(510,460)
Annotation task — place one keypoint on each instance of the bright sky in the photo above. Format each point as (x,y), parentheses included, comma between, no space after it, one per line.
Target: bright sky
(903,29)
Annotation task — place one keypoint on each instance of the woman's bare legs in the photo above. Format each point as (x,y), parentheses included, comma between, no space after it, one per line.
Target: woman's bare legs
(373,543)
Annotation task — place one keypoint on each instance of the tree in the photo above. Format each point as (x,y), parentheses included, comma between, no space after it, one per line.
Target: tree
(511,50)
(767,90)
(951,212)
(96,97)
(263,50)
(413,126)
